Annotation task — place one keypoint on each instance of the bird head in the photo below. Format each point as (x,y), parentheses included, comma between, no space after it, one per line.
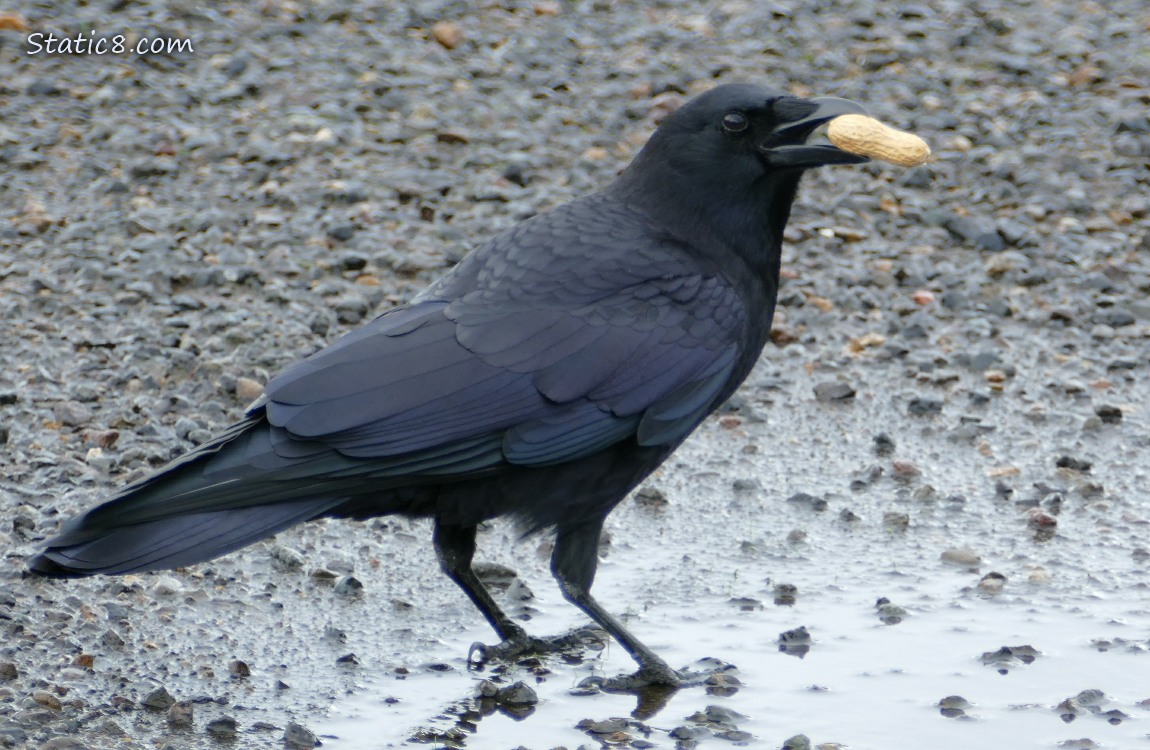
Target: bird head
(744,132)
(728,162)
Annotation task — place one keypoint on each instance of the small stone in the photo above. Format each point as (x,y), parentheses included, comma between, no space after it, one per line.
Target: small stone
(239,668)
(888,612)
(111,729)
(63,743)
(223,728)
(44,698)
(806,500)
(1039,576)
(833,391)
(103,439)
(72,413)
(517,694)
(895,521)
(1039,519)
(159,699)
(786,594)
(13,22)
(798,742)
(963,556)
(449,35)
(112,639)
(607,726)
(982,235)
(299,736)
(248,389)
(181,714)
(920,407)
(167,586)
(342,232)
(992,583)
(8,671)
(286,559)
(1109,414)
(1073,464)
(349,586)
(719,715)
(953,706)
(651,497)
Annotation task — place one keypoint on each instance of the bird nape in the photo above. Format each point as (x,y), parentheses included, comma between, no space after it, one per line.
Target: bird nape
(541,378)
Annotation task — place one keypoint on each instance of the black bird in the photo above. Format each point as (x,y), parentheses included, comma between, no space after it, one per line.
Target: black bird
(542,378)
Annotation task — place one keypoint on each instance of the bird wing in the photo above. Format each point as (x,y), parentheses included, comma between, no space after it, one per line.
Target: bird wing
(560,354)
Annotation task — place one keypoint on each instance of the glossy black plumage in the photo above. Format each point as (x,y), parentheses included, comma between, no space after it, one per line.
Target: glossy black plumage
(543,377)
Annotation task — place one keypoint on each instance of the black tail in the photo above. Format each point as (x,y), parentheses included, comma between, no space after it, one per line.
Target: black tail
(203,505)
(167,542)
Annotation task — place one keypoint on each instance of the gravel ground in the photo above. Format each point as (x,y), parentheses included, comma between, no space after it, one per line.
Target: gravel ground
(179,226)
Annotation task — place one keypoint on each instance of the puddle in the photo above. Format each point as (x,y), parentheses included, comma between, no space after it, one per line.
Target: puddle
(698,578)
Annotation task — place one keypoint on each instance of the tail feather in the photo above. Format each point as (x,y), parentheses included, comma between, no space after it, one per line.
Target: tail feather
(169,542)
(250,482)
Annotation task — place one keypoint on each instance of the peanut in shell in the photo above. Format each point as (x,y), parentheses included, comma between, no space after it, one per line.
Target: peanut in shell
(866,136)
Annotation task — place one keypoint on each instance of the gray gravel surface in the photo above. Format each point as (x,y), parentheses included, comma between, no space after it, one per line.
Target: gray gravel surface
(176,227)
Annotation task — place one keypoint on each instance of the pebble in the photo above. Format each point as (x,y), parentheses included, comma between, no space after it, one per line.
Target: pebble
(1109,414)
(953,706)
(223,728)
(248,390)
(834,391)
(964,556)
(181,714)
(159,699)
(888,612)
(797,742)
(72,413)
(517,694)
(44,698)
(299,736)
(992,583)
(607,726)
(919,406)
(286,559)
(167,586)
(63,743)
(883,444)
(449,35)
(349,586)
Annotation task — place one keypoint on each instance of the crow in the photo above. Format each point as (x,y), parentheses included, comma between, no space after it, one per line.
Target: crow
(542,378)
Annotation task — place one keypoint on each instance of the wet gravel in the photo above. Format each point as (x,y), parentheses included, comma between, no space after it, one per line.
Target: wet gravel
(176,227)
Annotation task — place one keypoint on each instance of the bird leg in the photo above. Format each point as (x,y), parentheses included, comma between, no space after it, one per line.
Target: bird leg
(573,564)
(455,548)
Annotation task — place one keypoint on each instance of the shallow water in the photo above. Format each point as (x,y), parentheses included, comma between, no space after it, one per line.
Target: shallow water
(698,576)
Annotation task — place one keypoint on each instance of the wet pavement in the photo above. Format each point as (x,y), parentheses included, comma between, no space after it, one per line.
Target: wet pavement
(934,485)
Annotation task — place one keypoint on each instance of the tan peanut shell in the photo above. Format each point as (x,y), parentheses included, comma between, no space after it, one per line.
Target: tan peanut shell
(866,136)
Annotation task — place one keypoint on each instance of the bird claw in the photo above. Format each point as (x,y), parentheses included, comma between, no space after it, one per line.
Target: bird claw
(649,675)
(525,645)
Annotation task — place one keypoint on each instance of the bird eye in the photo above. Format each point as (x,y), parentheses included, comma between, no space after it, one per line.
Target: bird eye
(735,122)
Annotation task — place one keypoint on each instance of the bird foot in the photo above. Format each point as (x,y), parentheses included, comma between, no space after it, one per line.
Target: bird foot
(521,644)
(652,674)
(653,685)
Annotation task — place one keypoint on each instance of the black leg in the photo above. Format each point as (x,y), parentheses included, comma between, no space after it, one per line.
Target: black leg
(455,546)
(573,564)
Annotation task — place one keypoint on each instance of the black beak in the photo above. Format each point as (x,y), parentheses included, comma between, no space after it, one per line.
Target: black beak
(786,147)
